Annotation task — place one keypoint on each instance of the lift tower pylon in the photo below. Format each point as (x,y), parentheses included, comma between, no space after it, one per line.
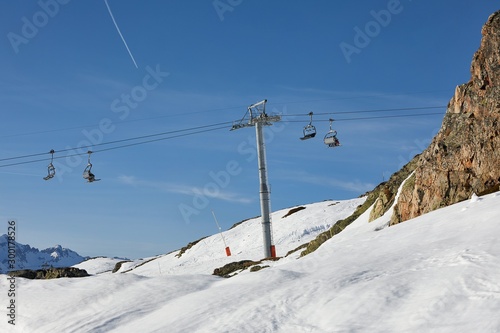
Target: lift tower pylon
(258,118)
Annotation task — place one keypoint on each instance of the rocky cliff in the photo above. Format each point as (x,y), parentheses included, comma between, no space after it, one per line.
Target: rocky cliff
(464,157)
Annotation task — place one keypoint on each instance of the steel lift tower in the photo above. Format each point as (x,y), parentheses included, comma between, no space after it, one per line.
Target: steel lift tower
(258,118)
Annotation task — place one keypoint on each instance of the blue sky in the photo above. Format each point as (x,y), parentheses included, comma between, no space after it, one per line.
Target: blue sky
(67,79)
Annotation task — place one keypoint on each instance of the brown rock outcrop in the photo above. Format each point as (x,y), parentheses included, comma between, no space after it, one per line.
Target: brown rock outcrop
(51,273)
(464,157)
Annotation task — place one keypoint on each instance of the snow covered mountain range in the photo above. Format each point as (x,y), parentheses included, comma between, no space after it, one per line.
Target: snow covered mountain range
(28,257)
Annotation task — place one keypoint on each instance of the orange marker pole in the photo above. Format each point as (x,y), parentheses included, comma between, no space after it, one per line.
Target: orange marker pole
(228,250)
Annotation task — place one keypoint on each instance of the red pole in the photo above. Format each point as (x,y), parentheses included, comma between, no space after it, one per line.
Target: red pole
(273,251)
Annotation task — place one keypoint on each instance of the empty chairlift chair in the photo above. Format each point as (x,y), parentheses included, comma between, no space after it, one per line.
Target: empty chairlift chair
(51,170)
(309,129)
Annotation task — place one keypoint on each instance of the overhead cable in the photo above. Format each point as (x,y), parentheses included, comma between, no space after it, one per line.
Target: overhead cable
(192,131)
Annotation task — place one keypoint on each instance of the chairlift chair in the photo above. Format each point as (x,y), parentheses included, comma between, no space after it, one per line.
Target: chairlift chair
(309,130)
(331,137)
(87,173)
(51,170)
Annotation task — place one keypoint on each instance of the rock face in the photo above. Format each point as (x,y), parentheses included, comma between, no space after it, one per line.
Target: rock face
(388,190)
(464,157)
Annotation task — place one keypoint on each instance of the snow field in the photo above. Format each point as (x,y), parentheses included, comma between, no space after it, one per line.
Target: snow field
(98,265)
(436,273)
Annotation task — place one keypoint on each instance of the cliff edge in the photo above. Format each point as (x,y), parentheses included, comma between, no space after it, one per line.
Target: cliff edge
(464,157)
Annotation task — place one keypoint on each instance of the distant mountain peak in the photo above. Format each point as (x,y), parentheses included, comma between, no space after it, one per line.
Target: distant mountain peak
(28,257)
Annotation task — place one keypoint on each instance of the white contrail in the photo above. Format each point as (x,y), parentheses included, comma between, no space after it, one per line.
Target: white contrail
(120,33)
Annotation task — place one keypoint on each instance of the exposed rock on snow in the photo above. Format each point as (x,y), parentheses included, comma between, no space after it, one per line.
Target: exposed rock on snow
(51,273)
(464,157)
(379,200)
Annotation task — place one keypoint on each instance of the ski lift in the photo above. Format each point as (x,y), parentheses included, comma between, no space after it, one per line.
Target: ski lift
(331,137)
(309,129)
(87,173)
(51,170)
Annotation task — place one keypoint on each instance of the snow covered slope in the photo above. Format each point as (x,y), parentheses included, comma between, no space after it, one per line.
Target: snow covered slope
(245,240)
(435,273)
(99,265)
